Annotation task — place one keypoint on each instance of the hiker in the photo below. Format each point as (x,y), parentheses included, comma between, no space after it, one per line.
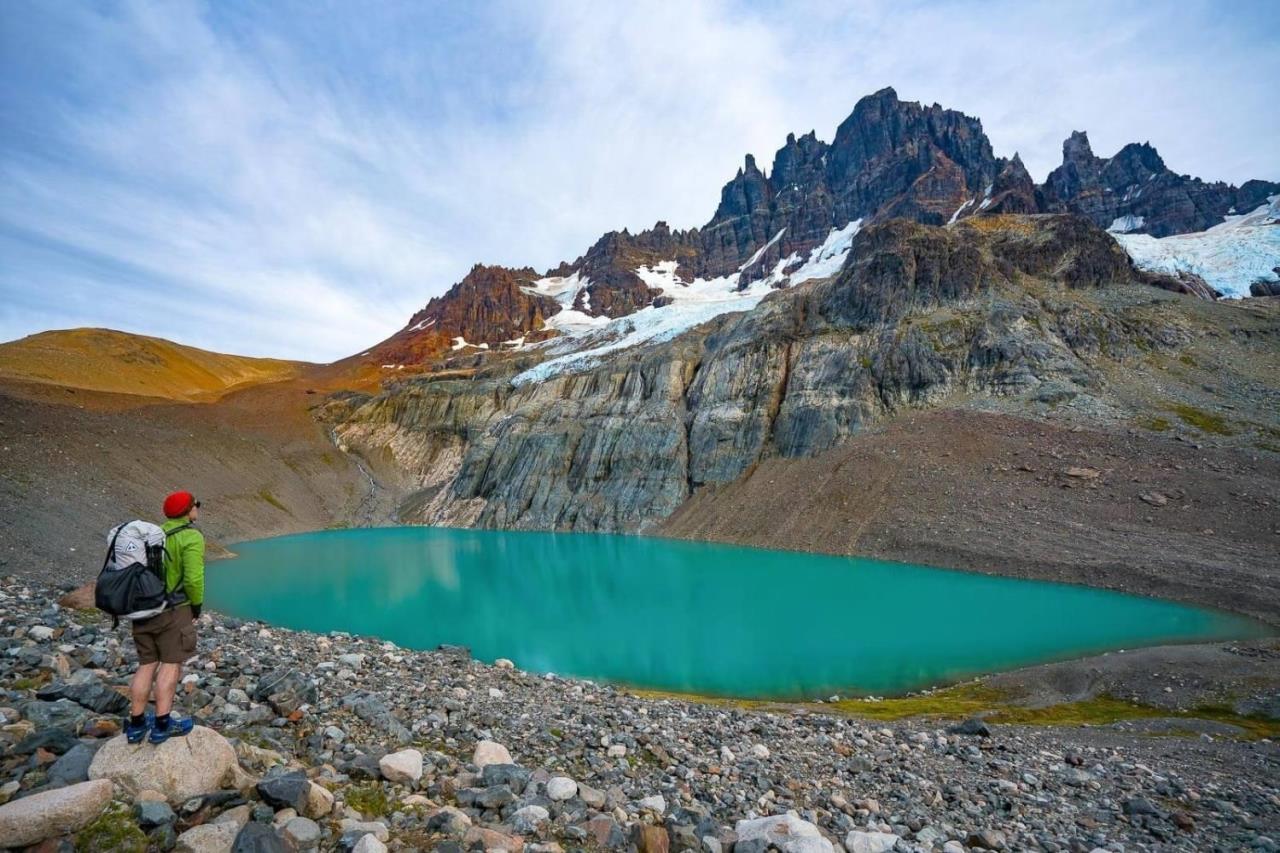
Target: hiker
(167,640)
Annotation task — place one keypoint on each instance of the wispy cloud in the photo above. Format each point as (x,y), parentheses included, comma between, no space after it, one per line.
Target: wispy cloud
(295,180)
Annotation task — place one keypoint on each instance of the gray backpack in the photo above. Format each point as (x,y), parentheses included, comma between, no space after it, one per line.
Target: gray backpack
(131,584)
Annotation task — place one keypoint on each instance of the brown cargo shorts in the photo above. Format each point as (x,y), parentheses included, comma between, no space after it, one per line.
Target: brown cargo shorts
(167,638)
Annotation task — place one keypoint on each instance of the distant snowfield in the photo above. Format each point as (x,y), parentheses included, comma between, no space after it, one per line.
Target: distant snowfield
(585,340)
(1229,256)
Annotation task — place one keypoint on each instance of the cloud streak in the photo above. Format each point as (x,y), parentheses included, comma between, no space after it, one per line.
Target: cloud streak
(293,181)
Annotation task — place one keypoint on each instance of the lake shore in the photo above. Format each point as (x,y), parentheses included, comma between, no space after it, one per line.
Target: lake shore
(656,773)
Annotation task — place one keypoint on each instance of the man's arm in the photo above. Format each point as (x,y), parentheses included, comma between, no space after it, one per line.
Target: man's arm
(193,567)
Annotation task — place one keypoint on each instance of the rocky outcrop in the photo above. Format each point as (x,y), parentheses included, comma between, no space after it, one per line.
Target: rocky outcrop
(489,306)
(918,313)
(1137,192)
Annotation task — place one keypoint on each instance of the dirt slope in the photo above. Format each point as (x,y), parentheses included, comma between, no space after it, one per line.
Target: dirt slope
(74,463)
(1127,510)
(123,363)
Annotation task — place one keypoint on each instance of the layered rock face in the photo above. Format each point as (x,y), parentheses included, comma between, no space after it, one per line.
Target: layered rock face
(995,305)
(889,159)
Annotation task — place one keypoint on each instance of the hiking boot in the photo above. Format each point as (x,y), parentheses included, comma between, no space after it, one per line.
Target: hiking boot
(135,734)
(178,727)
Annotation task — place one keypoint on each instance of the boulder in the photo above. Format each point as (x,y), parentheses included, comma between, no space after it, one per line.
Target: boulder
(180,768)
(869,842)
(492,839)
(490,752)
(208,838)
(73,766)
(369,844)
(93,695)
(258,838)
(52,813)
(650,839)
(302,833)
(80,598)
(528,819)
(561,788)
(787,832)
(973,726)
(151,814)
(286,790)
(513,776)
(402,766)
(319,801)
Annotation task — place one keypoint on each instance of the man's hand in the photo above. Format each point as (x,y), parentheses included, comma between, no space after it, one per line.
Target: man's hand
(195,612)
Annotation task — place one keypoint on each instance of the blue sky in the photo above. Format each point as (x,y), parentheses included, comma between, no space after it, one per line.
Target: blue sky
(296,178)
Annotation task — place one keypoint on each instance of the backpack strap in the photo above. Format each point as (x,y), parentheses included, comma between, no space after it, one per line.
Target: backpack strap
(111,548)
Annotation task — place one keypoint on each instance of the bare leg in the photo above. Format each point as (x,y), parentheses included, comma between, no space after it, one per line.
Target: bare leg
(166,686)
(140,688)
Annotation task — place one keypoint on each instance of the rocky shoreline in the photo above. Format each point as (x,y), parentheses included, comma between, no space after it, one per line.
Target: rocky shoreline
(338,742)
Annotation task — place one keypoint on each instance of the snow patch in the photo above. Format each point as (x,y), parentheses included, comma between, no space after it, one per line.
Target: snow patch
(826,260)
(959,210)
(583,345)
(1229,256)
(564,290)
(423,324)
(461,342)
(759,252)
(1126,224)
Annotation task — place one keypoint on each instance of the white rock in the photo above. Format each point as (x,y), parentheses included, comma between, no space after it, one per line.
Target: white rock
(52,813)
(355,660)
(490,752)
(561,788)
(655,804)
(319,801)
(616,750)
(180,768)
(369,844)
(42,633)
(208,838)
(236,696)
(760,751)
(869,842)
(953,847)
(402,766)
(503,663)
(495,693)
(726,755)
(787,832)
(529,818)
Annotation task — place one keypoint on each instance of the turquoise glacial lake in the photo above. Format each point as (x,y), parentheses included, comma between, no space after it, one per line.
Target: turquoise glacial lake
(687,616)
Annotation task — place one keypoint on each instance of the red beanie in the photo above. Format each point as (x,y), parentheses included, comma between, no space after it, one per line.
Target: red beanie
(178,504)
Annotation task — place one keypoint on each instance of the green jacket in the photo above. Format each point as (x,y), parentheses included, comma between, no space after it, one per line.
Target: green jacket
(184,562)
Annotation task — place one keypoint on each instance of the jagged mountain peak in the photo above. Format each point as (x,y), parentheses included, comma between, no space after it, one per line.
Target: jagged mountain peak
(889,158)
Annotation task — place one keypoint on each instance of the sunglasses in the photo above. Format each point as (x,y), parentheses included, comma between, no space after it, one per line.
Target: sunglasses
(196,504)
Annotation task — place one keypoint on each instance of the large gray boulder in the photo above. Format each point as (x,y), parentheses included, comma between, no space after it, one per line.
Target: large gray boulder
(49,814)
(180,768)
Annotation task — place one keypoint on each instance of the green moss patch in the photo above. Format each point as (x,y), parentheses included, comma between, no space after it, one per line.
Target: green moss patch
(370,800)
(114,829)
(1200,419)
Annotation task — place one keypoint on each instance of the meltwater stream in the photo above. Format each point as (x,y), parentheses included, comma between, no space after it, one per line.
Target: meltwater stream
(687,616)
